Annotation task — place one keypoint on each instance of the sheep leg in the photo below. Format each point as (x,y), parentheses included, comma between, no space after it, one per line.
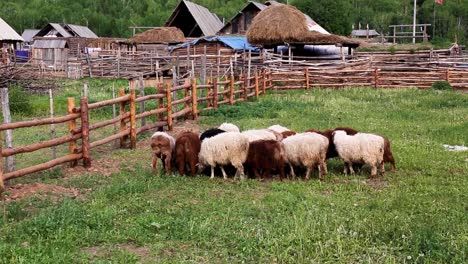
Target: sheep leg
(181,167)
(281,172)
(321,170)
(373,171)
(193,168)
(293,175)
(382,168)
(240,171)
(224,173)
(154,164)
(212,172)
(309,172)
(168,163)
(256,173)
(350,168)
(345,170)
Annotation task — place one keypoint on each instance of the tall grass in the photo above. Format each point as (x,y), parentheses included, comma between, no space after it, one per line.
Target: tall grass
(416,215)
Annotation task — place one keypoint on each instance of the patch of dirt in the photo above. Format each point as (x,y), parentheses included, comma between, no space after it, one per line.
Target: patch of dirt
(100,166)
(54,192)
(102,252)
(377,183)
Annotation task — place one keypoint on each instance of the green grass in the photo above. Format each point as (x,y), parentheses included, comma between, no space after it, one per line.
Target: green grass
(417,215)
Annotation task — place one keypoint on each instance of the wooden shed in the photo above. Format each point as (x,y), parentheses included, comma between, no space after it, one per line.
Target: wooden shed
(52,53)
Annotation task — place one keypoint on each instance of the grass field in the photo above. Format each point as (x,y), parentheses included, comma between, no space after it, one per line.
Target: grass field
(417,215)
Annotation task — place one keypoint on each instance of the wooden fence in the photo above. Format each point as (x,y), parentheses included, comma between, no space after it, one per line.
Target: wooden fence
(168,108)
(368,78)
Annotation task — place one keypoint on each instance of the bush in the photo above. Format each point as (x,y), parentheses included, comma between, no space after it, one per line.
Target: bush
(442,85)
(20,102)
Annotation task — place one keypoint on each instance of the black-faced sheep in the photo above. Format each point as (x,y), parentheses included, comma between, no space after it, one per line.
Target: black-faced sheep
(187,147)
(162,145)
(210,133)
(229,127)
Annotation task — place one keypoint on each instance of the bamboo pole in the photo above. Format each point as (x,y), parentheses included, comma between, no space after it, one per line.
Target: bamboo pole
(231,90)
(257,90)
(132,119)
(194,99)
(123,125)
(85,132)
(169,107)
(307,82)
(71,127)
(215,93)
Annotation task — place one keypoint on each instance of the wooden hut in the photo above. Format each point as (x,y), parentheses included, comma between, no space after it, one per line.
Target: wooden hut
(285,25)
(194,20)
(8,40)
(156,39)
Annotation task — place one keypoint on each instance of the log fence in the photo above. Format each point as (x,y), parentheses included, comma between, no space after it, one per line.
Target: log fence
(81,129)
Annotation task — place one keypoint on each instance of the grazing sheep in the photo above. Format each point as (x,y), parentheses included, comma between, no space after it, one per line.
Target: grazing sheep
(229,127)
(187,147)
(225,148)
(211,133)
(388,155)
(279,128)
(265,156)
(361,148)
(286,134)
(306,150)
(162,145)
(331,152)
(262,134)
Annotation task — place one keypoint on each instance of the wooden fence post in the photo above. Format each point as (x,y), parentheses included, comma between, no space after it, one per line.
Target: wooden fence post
(215,93)
(264,82)
(376,78)
(447,75)
(160,101)
(123,125)
(10,161)
(141,88)
(307,78)
(231,90)
(257,89)
(169,106)
(194,99)
(246,90)
(71,128)
(52,126)
(85,132)
(133,119)
(2,185)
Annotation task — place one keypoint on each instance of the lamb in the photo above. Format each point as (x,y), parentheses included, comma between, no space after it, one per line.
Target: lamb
(162,145)
(262,134)
(279,128)
(306,150)
(265,156)
(187,147)
(226,148)
(229,127)
(361,148)
(210,133)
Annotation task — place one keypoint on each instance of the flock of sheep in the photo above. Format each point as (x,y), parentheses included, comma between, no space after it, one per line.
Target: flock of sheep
(263,152)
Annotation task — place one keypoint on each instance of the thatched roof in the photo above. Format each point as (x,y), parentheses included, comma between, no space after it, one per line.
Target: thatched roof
(167,35)
(280,24)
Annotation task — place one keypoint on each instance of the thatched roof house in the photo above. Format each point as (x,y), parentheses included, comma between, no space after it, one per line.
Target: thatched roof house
(285,24)
(194,20)
(159,35)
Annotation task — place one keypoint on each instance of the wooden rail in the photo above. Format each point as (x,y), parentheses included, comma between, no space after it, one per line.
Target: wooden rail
(196,98)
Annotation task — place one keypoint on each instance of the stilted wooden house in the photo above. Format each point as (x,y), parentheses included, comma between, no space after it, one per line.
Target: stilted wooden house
(194,20)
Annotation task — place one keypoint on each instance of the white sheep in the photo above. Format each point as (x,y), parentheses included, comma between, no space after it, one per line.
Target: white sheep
(223,149)
(279,128)
(262,134)
(306,150)
(229,127)
(362,148)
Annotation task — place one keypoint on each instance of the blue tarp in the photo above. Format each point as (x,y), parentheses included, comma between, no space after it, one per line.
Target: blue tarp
(236,43)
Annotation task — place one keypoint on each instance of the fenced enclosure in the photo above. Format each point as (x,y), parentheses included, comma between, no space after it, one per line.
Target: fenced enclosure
(89,125)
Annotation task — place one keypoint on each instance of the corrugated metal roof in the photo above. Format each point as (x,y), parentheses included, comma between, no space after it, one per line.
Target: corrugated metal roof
(81,31)
(50,44)
(208,22)
(236,43)
(28,34)
(363,33)
(7,32)
(60,30)
(259,5)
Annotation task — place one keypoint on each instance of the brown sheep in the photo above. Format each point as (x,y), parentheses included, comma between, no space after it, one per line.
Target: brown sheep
(288,133)
(162,145)
(263,157)
(187,147)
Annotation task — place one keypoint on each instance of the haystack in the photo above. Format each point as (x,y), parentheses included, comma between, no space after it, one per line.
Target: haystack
(161,35)
(285,24)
